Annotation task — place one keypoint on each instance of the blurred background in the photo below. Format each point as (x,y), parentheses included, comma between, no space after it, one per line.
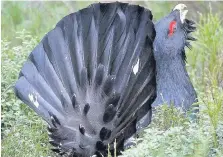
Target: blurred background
(23,25)
(39,17)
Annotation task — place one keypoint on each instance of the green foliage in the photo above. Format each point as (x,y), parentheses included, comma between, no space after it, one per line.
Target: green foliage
(23,132)
(27,138)
(186,139)
(38,17)
(174,142)
(206,60)
(12,60)
(168,116)
(171,132)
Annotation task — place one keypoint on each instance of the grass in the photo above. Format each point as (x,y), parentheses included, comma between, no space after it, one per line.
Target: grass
(170,134)
(23,132)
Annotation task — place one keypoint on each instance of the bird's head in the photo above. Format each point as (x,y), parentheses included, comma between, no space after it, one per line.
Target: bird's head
(172,33)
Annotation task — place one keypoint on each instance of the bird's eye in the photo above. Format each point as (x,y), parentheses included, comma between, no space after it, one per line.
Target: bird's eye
(172,28)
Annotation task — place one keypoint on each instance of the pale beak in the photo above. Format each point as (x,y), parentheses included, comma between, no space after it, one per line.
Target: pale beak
(183,12)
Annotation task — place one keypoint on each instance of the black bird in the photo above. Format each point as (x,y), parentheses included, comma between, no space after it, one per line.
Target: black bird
(173,84)
(93,77)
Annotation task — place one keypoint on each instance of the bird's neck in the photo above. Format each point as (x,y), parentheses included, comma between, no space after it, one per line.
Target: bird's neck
(173,82)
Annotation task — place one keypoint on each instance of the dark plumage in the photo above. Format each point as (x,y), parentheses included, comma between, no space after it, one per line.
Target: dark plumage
(173,82)
(93,77)
(80,77)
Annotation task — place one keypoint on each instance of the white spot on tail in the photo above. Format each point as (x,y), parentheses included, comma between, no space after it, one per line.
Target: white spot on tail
(33,99)
(136,67)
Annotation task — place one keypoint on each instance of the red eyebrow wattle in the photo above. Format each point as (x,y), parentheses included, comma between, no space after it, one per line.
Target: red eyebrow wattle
(171,27)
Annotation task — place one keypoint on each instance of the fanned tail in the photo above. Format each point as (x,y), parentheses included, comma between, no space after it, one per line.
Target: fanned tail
(92,77)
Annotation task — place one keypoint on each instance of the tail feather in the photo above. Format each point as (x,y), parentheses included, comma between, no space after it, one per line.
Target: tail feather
(31,74)
(90,77)
(143,73)
(28,94)
(47,71)
(71,31)
(61,60)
